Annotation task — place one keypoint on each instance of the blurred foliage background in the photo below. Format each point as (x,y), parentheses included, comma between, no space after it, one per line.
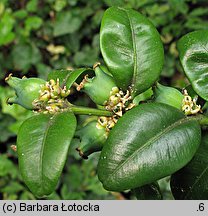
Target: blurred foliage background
(38,36)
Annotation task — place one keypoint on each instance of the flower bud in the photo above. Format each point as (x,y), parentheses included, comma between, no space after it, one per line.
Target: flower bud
(168,95)
(27,90)
(99,87)
(92,138)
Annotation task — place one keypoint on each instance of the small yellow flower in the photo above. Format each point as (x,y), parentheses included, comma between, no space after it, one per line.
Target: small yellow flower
(52,97)
(189,106)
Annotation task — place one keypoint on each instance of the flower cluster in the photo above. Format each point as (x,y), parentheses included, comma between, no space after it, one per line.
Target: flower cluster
(189,105)
(52,98)
(118,103)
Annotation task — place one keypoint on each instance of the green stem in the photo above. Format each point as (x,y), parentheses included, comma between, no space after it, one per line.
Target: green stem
(89,111)
(203,120)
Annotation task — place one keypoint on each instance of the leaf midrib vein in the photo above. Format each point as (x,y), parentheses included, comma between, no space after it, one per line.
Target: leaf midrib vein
(42,148)
(134,48)
(199,178)
(156,137)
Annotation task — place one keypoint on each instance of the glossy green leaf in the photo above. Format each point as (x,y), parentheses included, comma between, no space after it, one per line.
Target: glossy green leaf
(42,145)
(191,182)
(68,77)
(148,192)
(149,142)
(193,52)
(131,48)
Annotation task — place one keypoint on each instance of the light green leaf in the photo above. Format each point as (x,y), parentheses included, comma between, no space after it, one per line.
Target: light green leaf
(6,28)
(33,23)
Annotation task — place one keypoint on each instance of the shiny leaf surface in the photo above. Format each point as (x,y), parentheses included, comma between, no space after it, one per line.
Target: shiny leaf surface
(42,145)
(149,142)
(191,182)
(148,192)
(193,52)
(131,48)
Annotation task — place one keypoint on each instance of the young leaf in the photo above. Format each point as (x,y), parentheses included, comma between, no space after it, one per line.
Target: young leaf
(191,182)
(149,142)
(148,192)
(62,75)
(42,145)
(131,48)
(67,77)
(193,52)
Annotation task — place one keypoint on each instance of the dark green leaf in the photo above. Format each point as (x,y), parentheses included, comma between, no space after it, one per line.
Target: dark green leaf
(42,143)
(5,123)
(62,75)
(131,48)
(148,192)
(191,182)
(68,77)
(193,52)
(179,6)
(199,12)
(66,23)
(53,196)
(149,142)
(87,56)
(143,96)
(43,70)
(24,56)
(196,23)
(6,166)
